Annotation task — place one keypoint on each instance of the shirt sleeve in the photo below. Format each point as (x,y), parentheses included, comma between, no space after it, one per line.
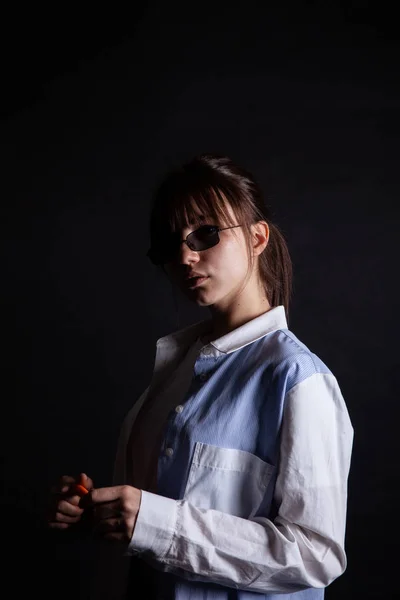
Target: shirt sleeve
(304,545)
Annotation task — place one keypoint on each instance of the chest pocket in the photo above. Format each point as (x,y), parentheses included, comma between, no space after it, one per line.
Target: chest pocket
(232,481)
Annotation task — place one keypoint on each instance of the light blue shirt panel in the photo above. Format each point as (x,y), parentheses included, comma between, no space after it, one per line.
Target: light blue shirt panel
(237,407)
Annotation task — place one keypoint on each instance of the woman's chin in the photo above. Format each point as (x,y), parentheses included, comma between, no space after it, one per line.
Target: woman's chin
(198,297)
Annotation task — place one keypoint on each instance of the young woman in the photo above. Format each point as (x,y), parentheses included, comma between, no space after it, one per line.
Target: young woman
(231,472)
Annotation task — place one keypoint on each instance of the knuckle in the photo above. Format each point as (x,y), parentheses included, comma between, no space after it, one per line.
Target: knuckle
(125,493)
(62,506)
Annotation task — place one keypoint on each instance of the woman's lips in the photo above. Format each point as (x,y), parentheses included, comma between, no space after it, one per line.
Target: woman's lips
(195,282)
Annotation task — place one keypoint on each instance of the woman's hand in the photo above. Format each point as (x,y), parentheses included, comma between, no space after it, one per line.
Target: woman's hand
(65,510)
(115,511)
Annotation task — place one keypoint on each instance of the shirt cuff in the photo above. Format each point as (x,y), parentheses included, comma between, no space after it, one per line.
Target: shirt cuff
(155,525)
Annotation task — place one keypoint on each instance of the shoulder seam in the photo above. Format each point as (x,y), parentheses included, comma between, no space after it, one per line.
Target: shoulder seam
(302,350)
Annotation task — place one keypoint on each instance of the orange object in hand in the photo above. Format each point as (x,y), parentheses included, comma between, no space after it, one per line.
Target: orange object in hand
(81,488)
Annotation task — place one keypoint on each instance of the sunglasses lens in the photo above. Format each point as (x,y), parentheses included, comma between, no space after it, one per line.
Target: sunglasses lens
(204,237)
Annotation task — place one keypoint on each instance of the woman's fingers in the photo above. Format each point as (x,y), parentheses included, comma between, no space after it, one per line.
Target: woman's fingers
(66,483)
(61,517)
(112,529)
(86,481)
(68,508)
(65,509)
(61,521)
(109,525)
(73,488)
(64,515)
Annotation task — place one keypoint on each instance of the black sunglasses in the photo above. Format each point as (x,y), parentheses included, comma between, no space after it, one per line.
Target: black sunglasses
(202,238)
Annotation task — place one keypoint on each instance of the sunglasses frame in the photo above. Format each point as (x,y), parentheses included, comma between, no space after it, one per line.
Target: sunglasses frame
(186,241)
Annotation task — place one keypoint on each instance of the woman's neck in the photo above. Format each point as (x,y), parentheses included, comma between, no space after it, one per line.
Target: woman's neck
(221,324)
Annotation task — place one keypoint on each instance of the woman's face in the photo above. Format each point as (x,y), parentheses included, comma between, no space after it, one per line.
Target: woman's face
(224,267)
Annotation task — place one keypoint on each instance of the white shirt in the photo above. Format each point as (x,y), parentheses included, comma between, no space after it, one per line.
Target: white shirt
(251,458)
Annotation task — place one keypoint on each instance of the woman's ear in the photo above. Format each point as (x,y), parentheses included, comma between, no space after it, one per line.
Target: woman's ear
(260,232)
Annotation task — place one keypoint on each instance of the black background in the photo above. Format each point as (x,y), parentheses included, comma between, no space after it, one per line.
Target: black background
(95,108)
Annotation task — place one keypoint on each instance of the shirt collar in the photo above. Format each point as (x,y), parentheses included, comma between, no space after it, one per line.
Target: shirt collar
(253,330)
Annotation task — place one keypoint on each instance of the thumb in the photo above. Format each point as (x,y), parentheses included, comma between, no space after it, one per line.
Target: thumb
(86,481)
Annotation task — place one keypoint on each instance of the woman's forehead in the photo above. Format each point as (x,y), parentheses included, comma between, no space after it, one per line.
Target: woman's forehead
(198,219)
(191,215)
(193,211)
(201,219)
(199,212)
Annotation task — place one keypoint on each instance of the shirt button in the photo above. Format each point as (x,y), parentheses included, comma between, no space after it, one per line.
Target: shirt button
(203,376)
(169,451)
(178,409)
(207,350)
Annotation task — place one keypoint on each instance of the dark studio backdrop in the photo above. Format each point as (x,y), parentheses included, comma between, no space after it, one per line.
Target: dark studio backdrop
(95,108)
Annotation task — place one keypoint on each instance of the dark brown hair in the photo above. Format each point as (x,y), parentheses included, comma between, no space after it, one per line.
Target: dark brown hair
(202,186)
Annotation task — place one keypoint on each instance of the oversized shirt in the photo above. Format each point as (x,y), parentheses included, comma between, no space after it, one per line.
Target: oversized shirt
(242,449)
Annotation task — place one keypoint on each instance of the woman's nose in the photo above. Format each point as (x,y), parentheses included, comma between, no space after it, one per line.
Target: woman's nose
(186,255)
